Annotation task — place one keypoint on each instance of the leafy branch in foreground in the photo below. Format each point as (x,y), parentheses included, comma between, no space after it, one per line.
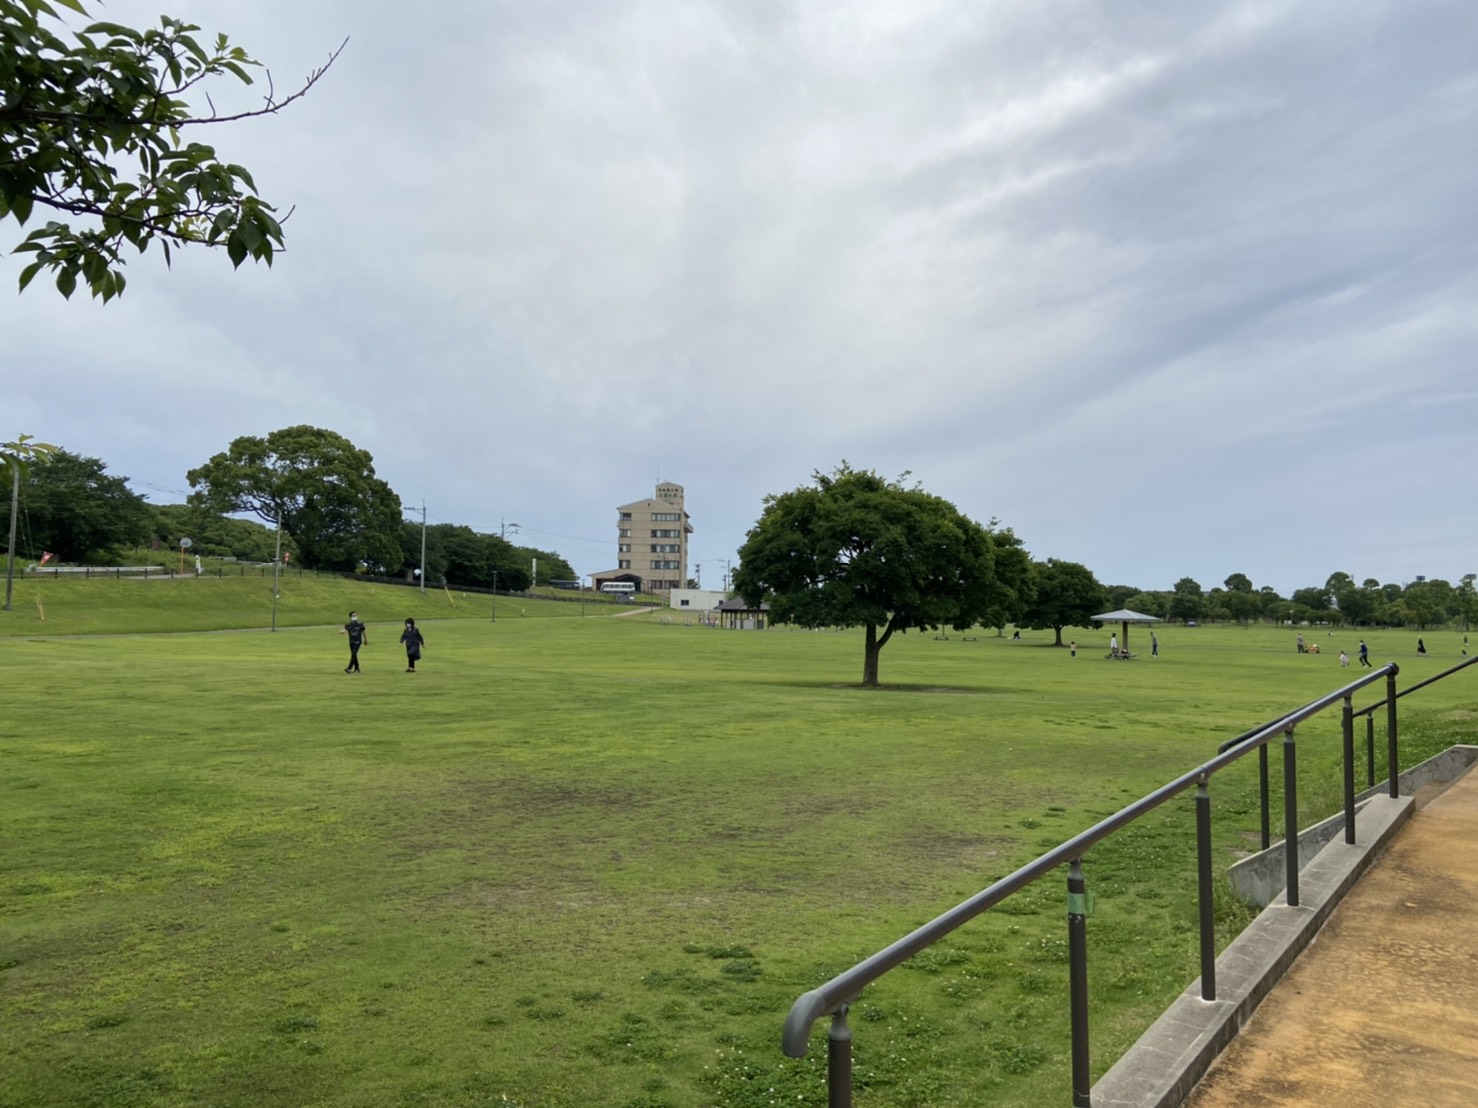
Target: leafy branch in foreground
(76,111)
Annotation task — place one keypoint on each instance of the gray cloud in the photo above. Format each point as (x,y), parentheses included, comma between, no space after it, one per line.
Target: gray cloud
(1169,289)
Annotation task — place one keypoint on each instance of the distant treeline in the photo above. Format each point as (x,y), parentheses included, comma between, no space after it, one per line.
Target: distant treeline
(74,510)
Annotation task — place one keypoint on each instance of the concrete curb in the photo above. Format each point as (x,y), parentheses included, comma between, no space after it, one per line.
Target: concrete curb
(1163,1067)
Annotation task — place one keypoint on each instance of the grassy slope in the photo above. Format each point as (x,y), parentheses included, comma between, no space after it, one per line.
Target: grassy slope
(75,606)
(584,861)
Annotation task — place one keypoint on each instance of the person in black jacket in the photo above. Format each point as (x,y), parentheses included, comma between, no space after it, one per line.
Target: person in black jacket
(357,638)
(414,641)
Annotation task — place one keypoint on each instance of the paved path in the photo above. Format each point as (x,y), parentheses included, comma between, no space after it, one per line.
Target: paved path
(1382,1010)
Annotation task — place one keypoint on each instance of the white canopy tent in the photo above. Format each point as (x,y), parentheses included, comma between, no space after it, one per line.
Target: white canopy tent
(1125,616)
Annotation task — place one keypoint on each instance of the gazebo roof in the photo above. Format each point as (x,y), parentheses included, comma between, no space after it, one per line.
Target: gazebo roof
(1125,615)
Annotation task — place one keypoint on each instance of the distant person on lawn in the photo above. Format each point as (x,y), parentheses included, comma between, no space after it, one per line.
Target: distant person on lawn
(414,641)
(357,638)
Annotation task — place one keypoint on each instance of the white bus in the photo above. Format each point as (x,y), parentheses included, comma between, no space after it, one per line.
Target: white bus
(625,588)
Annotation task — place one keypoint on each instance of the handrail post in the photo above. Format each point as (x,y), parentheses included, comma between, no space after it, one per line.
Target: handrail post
(839,1061)
(1077,959)
(1347,728)
(1262,779)
(1370,750)
(1391,759)
(1207,903)
(1290,816)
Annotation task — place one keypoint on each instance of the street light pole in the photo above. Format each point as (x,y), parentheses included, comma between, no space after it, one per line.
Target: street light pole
(423,547)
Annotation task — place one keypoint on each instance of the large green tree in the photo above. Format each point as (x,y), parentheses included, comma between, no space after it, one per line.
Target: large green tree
(856,549)
(1313,597)
(1063,594)
(1187,601)
(1465,599)
(77,107)
(218,535)
(72,507)
(1240,601)
(1429,603)
(1358,604)
(321,486)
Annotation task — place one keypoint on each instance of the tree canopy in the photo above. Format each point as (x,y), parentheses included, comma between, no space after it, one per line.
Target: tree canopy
(321,486)
(73,508)
(75,107)
(458,555)
(1187,601)
(1063,594)
(215,535)
(855,549)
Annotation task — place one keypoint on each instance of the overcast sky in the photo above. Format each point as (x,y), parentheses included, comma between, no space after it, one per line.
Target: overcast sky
(1170,289)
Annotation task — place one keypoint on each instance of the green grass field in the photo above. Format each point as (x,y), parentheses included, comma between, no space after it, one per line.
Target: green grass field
(589,861)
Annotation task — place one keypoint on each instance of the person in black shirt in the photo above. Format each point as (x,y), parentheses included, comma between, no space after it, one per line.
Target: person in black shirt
(357,638)
(413,640)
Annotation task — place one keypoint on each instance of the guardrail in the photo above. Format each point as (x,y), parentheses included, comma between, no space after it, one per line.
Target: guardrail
(835,996)
(1388,702)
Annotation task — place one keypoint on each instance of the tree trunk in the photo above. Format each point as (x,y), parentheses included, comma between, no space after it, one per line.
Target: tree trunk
(870,658)
(1059,636)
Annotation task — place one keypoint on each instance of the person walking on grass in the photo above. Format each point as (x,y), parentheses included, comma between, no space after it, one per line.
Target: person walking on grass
(1364,654)
(357,638)
(414,641)
(1154,646)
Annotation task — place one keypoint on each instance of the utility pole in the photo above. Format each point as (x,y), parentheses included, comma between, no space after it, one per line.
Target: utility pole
(698,574)
(503,528)
(423,545)
(15,501)
(727,564)
(276,568)
(495,596)
(535,583)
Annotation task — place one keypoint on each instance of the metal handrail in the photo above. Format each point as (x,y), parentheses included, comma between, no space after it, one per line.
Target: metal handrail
(1419,685)
(834,997)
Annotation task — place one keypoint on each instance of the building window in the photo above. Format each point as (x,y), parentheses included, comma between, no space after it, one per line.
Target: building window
(624,533)
(624,563)
(667,517)
(665,534)
(666,548)
(625,515)
(623,548)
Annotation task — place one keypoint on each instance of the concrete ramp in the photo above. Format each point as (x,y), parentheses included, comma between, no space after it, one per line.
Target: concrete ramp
(1322,1003)
(1382,1010)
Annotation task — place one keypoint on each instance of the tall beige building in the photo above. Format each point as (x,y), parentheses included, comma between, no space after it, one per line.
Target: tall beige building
(652,542)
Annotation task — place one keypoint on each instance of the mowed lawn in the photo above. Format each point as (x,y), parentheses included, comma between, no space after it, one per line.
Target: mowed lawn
(592,861)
